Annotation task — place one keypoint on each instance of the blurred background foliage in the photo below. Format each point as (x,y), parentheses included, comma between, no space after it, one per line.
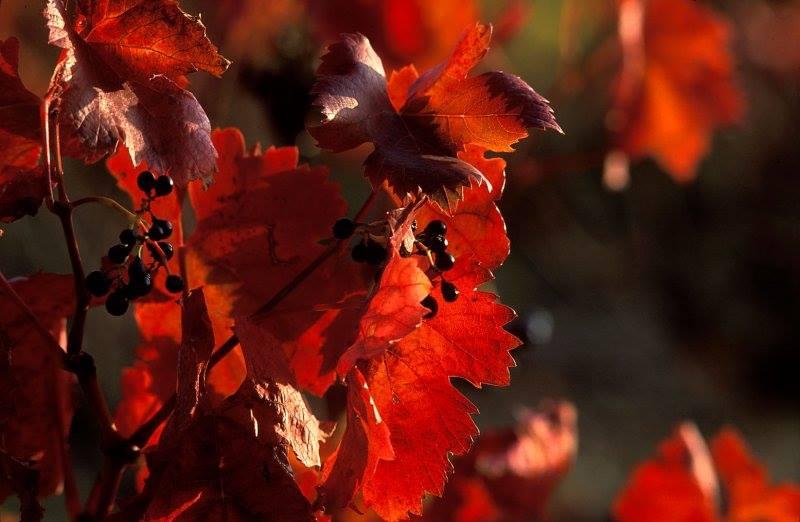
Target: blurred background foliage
(647,305)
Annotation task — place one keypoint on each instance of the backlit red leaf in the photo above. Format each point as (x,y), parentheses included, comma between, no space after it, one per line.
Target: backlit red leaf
(36,405)
(121,80)
(260,226)
(677,84)
(402,31)
(750,494)
(415,148)
(392,312)
(224,462)
(22,183)
(682,483)
(366,441)
(410,385)
(516,470)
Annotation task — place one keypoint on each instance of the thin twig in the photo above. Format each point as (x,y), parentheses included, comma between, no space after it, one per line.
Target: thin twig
(108,202)
(104,491)
(44,116)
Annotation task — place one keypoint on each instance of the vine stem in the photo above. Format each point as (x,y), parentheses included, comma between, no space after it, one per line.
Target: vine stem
(76,360)
(145,431)
(108,202)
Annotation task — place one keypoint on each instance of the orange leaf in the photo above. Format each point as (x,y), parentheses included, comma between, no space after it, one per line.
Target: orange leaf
(402,31)
(677,84)
(366,441)
(678,485)
(750,493)
(410,385)
(258,227)
(393,311)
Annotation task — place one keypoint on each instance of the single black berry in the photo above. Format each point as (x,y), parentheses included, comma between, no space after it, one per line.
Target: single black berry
(146,181)
(376,253)
(136,269)
(437,243)
(431,304)
(117,254)
(127,237)
(166,249)
(163,185)
(445,261)
(160,229)
(449,291)
(343,228)
(139,286)
(436,228)
(117,303)
(174,283)
(97,283)
(360,253)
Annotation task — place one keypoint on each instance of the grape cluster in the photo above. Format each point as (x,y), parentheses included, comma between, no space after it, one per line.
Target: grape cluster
(131,277)
(367,250)
(432,242)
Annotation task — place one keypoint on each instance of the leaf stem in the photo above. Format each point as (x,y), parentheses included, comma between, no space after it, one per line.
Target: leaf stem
(44,116)
(108,202)
(104,490)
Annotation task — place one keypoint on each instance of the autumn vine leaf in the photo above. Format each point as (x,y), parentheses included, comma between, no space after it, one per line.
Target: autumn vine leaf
(410,384)
(511,473)
(683,483)
(255,233)
(401,32)
(416,147)
(121,81)
(22,182)
(677,84)
(35,406)
(392,312)
(225,460)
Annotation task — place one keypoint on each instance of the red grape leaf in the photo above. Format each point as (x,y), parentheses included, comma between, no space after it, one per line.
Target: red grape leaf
(36,404)
(392,312)
(677,84)
(258,227)
(22,184)
(255,228)
(366,441)
(121,79)
(410,386)
(221,462)
(678,484)
(476,229)
(402,31)
(682,483)
(415,148)
(750,494)
(270,377)
(517,469)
